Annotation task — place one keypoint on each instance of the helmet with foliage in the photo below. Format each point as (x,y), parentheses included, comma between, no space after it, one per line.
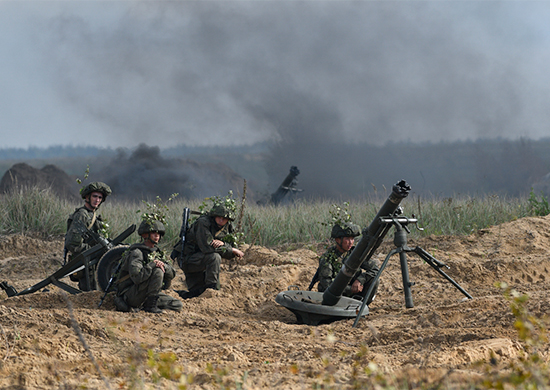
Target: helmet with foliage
(347,229)
(219,210)
(148,226)
(96,186)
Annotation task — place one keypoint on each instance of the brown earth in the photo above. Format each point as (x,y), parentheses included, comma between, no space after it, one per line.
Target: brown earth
(240,337)
(23,176)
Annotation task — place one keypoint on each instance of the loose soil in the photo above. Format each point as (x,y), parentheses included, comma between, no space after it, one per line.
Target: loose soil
(239,337)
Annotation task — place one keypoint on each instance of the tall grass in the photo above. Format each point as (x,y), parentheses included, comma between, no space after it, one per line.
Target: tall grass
(33,211)
(42,213)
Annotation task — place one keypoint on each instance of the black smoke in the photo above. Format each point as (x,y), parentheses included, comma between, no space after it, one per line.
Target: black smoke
(143,174)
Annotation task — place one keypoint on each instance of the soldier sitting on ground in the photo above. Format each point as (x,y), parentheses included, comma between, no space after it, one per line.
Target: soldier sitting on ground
(145,272)
(204,249)
(94,194)
(330,263)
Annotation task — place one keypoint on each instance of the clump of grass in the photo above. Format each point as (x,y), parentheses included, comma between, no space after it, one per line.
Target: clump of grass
(536,206)
(465,215)
(33,211)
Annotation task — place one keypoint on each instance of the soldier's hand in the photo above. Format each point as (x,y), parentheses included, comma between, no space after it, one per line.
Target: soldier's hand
(356,287)
(238,253)
(159,264)
(217,243)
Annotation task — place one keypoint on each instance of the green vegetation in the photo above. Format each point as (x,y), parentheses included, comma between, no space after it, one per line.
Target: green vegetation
(538,207)
(531,369)
(33,211)
(39,212)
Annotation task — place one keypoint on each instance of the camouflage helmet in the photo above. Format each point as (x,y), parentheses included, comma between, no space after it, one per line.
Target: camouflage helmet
(348,229)
(220,210)
(96,186)
(151,226)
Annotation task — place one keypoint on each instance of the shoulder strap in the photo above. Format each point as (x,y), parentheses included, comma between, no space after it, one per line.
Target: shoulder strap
(93,221)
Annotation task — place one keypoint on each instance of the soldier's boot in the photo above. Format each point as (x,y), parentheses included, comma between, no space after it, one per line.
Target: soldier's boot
(150,305)
(121,305)
(184,294)
(195,292)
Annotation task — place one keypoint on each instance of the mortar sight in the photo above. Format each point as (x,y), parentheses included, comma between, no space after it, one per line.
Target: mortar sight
(371,239)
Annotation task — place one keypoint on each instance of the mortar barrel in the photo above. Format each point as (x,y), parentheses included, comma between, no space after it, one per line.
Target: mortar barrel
(370,236)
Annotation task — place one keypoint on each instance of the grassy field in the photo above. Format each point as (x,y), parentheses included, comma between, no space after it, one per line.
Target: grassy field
(38,212)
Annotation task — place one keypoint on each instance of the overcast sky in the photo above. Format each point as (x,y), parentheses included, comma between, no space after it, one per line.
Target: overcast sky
(120,73)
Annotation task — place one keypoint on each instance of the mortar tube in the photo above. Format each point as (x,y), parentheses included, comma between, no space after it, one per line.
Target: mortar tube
(333,293)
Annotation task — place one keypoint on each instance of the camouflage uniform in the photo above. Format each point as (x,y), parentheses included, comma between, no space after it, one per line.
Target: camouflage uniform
(330,264)
(74,243)
(139,278)
(201,261)
(83,217)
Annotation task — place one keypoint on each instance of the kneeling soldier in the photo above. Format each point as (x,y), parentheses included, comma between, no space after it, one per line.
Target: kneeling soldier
(204,249)
(145,272)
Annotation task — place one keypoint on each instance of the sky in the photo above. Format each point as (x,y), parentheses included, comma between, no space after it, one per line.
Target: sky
(204,73)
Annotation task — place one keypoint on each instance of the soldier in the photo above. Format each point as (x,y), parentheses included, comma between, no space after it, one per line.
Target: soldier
(145,272)
(204,249)
(331,262)
(94,194)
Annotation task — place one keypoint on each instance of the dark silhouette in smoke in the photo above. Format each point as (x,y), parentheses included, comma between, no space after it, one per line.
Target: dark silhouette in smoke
(145,174)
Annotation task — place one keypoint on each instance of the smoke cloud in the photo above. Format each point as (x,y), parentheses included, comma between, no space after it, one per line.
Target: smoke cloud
(327,83)
(145,174)
(214,73)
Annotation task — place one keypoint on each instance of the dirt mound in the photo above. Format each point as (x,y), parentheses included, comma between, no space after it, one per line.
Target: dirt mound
(239,337)
(23,176)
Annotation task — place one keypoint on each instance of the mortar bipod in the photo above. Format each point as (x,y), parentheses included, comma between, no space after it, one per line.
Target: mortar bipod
(400,241)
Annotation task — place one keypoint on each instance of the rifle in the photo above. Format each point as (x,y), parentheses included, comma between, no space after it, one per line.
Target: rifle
(92,237)
(183,233)
(114,275)
(314,280)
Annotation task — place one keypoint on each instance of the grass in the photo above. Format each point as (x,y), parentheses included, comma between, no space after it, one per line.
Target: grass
(39,212)
(33,211)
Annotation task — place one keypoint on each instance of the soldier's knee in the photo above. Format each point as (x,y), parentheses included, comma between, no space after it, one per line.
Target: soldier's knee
(157,273)
(215,257)
(157,278)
